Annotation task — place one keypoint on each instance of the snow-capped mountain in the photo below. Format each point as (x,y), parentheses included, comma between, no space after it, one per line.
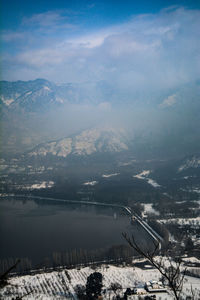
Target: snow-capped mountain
(41,95)
(29,95)
(86,143)
(38,111)
(32,94)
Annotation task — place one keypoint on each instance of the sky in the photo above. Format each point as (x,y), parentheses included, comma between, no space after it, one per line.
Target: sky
(128,44)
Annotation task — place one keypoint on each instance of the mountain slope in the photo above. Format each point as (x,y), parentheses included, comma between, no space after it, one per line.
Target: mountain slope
(87,143)
(34,95)
(28,95)
(161,126)
(192,162)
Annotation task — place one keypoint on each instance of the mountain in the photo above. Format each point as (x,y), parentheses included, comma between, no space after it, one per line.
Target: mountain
(28,95)
(38,111)
(40,95)
(33,94)
(86,143)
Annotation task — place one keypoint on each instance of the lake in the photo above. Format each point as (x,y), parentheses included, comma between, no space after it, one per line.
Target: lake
(40,229)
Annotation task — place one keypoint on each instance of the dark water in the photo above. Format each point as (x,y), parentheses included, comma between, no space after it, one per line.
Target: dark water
(36,228)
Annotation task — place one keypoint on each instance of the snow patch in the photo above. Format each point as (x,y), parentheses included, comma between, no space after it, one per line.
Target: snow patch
(3,167)
(153,182)
(123,164)
(90,183)
(28,93)
(148,209)
(194,162)
(143,175)
(109,175)
(196,190)
(191,260)
(183,221)
(41,185)
(7,101)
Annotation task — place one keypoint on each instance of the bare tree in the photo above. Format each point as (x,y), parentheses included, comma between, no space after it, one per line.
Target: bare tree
(4,276)
(170,269)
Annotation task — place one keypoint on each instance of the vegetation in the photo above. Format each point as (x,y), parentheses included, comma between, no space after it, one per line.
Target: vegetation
(169,269)
(94,286)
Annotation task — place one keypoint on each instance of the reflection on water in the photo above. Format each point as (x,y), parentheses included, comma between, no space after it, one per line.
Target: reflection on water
(37,228)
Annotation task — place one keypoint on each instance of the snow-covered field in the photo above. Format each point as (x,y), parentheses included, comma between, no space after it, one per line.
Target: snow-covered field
(191,260)
(61,284)
(182,221)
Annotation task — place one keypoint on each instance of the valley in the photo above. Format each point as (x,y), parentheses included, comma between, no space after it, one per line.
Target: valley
(92,162)
(169,202)
(100,150)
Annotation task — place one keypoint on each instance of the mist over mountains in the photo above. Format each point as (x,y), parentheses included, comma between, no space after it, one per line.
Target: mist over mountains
(40,111)
(139,74)
(99,116)
(41,95)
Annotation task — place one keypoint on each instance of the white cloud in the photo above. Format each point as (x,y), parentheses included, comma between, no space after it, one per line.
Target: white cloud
(48,19)
(148,53)
(90,41)
(169,101)
(9,36)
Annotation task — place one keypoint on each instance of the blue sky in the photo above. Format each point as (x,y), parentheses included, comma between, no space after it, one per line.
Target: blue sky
(125,43)
(89,12)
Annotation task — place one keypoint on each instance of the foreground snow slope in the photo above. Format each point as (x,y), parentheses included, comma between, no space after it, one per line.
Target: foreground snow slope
(61,284)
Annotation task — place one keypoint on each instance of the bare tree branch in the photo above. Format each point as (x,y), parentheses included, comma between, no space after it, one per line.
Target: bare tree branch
(3,277)
(172,274)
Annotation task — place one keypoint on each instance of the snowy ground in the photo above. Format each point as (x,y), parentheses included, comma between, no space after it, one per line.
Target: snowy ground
(61,285)
(148,209)
(109,175)
(90,183)
(191,260)
(144,175)
(40,185)
(182,221)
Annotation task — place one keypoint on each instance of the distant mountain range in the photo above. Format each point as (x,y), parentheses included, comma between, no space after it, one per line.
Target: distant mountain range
(32,95)
(40,94)
(32,114)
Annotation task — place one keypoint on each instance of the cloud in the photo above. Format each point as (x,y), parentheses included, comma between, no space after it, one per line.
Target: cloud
(39,31)
(169,101)
(9,36)
(53,19)
(44,19)
(147,54)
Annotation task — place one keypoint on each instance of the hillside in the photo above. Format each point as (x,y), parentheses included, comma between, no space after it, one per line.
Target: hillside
(64,284)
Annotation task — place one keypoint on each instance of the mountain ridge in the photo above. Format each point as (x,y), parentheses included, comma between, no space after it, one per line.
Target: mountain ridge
(86,143)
